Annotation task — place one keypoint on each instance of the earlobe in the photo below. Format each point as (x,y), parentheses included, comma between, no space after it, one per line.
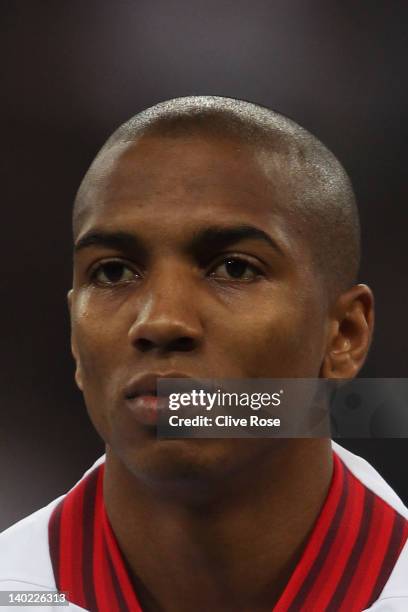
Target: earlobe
(74,350)
(69,299)
(349,334)
(78,378)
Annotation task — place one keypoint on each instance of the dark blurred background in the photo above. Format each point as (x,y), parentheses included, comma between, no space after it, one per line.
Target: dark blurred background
(72,71)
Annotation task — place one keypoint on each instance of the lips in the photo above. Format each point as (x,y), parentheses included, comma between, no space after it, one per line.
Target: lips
(145,385)
(141,397)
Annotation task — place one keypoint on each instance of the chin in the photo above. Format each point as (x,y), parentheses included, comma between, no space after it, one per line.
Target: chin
(183,465)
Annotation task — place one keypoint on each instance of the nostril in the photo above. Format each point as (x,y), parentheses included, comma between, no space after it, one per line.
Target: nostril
(144,344)
(183,343)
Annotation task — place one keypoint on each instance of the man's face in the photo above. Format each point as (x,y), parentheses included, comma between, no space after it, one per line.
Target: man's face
(194,267)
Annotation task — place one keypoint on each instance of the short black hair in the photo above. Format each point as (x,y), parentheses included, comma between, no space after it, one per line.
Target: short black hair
(323,200)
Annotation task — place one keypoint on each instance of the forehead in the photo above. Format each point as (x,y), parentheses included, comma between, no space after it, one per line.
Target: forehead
(184,181)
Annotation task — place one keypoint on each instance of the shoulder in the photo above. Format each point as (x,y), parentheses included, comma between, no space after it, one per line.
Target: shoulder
(24,555)
(394,597)
(25,562)
(370,478)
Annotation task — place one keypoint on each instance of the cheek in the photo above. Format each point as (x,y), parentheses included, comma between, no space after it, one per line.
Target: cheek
(96,337)
(281,339)
(96,362)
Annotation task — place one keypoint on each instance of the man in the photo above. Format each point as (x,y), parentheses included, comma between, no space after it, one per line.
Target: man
(214,238)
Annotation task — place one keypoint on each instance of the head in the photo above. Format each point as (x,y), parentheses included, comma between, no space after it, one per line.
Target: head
(214,238)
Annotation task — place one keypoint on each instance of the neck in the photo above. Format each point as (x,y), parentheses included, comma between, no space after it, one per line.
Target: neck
(234,549)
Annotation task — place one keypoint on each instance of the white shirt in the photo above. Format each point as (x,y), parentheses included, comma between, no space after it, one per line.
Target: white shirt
(25,563)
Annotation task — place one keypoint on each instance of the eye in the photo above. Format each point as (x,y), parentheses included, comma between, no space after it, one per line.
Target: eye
(235,268)
(113,272)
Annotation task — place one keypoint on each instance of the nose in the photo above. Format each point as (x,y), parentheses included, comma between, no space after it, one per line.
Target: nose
(167,319)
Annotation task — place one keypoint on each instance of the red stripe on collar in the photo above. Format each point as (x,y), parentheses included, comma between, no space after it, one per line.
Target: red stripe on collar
(353,547)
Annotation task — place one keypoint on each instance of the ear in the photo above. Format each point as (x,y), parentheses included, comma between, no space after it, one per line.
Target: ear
(74,349)
(350,333)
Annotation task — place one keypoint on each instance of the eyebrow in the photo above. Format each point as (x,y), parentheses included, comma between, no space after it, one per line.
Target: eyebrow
(122,241)
(211,238)
(216,237)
